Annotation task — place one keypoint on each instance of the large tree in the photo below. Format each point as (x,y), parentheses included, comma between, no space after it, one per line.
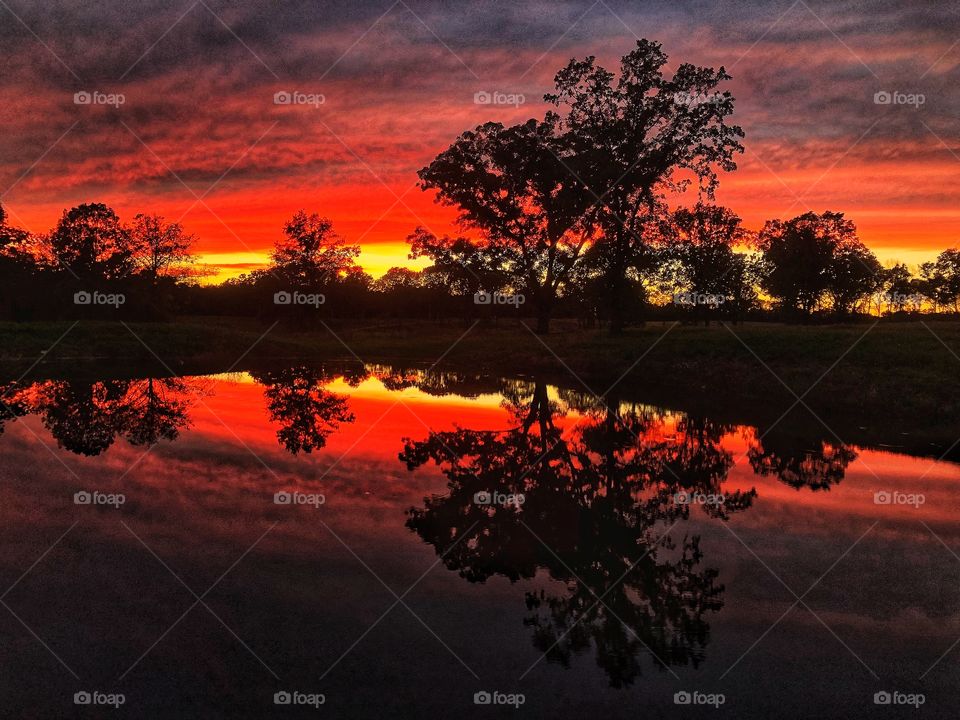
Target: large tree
(635,137)
(90,242)
(513,190)
(812,257)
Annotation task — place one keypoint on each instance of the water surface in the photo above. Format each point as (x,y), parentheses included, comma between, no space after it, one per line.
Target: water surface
(446,535)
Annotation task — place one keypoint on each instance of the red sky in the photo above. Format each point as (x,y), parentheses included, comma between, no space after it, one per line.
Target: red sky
(199,119)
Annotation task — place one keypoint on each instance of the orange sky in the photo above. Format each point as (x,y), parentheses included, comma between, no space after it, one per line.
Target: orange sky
(200,139)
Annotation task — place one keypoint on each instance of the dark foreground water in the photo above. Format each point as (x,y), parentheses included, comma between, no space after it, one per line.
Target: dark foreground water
(380,543)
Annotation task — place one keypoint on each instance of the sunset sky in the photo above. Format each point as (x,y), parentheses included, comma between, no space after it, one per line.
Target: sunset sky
(200,139)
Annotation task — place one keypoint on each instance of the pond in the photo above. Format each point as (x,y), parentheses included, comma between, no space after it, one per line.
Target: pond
(384,542)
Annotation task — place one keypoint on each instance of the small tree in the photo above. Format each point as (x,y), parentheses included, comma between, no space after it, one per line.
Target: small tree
(854,274)
(512,187)
(311,253)
(702,246)
(942,279)
(160,249)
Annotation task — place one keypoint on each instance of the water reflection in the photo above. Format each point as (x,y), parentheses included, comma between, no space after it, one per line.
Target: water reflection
(86,417)
(609,569)
(800,461)
(599,495)
(307,412)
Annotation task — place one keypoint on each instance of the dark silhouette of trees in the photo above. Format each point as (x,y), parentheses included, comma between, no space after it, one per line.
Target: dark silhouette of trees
(86,417)
(91,242)
(511,186)
(942,279)
(598,497)
(311,253)
(462,266)
(812,257)
(705,262)
(161,249)
(308,413)
(800,461)
(630,137)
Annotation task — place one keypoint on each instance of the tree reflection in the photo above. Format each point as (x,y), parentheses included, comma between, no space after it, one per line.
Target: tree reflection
(599,486)
(86,417)
(800,462)
(308,413)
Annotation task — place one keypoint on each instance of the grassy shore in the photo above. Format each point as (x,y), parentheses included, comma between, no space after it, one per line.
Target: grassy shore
(883,377)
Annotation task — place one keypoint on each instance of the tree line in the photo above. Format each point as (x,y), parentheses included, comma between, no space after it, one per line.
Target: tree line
(577,214)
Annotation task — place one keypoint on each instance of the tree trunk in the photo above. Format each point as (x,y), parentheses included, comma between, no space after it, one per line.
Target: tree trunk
(543,321)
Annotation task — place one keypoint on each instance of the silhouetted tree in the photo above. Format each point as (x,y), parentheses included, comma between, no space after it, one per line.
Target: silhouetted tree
(311,253)
(812,256)
(703,248)
(598,497)
(629,138)
(511,186)
(307,412)
(161,249)
(800,462)
(942,278)
(90,241)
